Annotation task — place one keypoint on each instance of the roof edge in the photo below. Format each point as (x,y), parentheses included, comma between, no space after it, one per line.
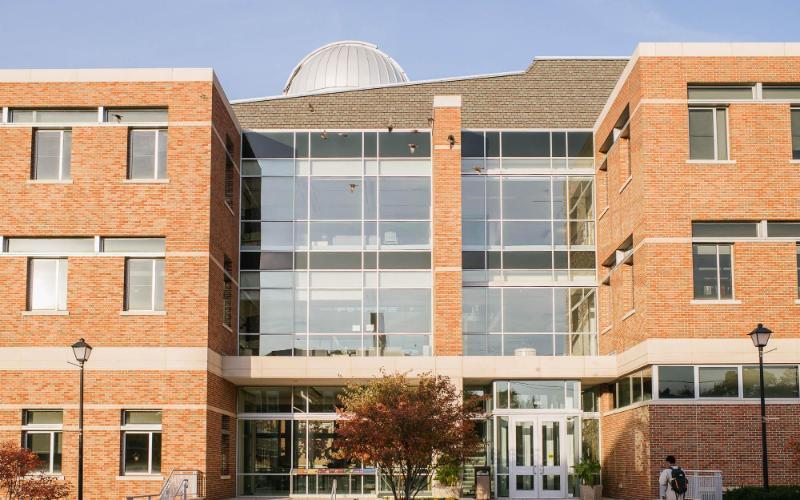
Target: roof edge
(106,75)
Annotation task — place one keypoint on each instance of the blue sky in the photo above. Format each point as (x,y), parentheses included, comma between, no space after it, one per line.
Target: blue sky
(253,45)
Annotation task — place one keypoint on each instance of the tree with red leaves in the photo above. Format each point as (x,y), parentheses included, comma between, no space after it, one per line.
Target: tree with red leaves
(18,479)
(405,428)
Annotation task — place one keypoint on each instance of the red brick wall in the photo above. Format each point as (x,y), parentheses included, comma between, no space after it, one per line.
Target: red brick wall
(446,183)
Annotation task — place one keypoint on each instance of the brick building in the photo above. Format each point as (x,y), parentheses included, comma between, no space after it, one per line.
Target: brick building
(587,241)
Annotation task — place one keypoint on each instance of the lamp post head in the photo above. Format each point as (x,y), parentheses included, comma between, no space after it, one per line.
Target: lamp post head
(760,336)
(82,351)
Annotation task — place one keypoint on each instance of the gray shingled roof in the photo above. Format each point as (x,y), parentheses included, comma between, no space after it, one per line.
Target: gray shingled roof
(552,93)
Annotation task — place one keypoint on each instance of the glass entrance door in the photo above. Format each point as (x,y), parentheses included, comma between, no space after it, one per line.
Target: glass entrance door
(537,466)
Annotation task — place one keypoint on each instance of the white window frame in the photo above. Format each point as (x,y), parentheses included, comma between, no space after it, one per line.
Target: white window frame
(157,167)
(152,284)
(52,430)
(140,429)
(35,170)
(718,298)
(713,110)
(60,261)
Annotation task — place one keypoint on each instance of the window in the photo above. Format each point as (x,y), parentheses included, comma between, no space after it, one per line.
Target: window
(47,285)
(796,133)
(136,115)
(779,382)
(229,167)
(141,442)
(797,251)
(53,116)
(713,271)
(227,293)
(49,246)
(720,93)
(41,433)
(147,154)
(225,446)
(781,92)
(144,285)
(724,229)
(718,381)
(52,155)
(676,382)
(134,245)
(708,134)
(634,388)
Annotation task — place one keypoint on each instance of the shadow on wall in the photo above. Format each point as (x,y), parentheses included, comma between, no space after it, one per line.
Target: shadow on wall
(725,437)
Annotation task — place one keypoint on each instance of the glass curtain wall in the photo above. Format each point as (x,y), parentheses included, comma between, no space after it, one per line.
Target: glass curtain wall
(528,243)
(336,244)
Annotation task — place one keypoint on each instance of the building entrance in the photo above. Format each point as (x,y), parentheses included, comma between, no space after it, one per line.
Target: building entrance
(537,467)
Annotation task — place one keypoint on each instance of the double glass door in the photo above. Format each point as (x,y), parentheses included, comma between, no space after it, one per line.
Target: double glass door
(538,468)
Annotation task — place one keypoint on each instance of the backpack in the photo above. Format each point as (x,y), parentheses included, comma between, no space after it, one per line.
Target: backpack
(678,482)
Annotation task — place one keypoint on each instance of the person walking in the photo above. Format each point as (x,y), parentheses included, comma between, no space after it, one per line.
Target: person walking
(672,481)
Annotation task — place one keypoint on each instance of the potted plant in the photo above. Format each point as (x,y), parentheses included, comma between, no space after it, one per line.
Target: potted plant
(588,472)
(447,480)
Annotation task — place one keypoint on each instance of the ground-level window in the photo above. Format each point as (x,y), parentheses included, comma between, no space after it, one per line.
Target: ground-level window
(779,382)
(141,442)
(712,268)
(41,433)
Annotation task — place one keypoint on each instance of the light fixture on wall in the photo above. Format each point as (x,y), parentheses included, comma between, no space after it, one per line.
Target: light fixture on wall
(412,148)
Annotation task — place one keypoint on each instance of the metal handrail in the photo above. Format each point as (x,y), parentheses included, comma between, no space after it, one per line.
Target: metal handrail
(177,487)
(333,490)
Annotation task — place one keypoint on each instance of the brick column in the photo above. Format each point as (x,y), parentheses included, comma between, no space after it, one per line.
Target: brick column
(446,182)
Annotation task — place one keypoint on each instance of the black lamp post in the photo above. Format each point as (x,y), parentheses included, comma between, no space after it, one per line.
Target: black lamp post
(82,351)
(760,337)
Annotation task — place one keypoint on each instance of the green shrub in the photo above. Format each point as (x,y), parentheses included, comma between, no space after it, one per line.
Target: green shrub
(758,493)
(588,471)
(448,474)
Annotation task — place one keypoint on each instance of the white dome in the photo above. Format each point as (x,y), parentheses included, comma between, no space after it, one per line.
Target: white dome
(343,66)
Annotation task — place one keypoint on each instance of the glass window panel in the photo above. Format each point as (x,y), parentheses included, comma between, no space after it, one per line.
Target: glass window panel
(266,260)
(526,198)
(483,345)
(158,284)
(796,134)
(777,92)
(119,115)
(137,447)
(268,145)
(701,134)
(251,198)
(269,167)
(721,92)
(559,144)
(473,260)
(704,262)
(53,115)
(334,260)
(581,204)
(405,167)
(143,154)
(370,144)
(526,234)
(537,394)
(66,151)
(580,144)
(481,310)
(581,260)
(139,295)
(265,446)
(249,311)
(472,144)
(405,234)
(783,229)
(335,311)
(526,144)
(330,345)
(44,417)
(335,279)
(725,229)
(134,245)
(336,144)
(338,167)
(492,144)
(722,134)
(779,382)
(528,310)
(719,382)
(473,234)
(277,198)
(336,198)
(725,272)
(323,399)
(624,392)
(527,345)
(676,382)
(47,284)
(405,310)
(47,165)
(335,235)
(397,345)
(398,144)
(50,245)
(405,198)
(581,233)
(39,443)
(265,399)
(370,198)
(136,417)
(405,260)
(526,260)
(277,311)
(473,197)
